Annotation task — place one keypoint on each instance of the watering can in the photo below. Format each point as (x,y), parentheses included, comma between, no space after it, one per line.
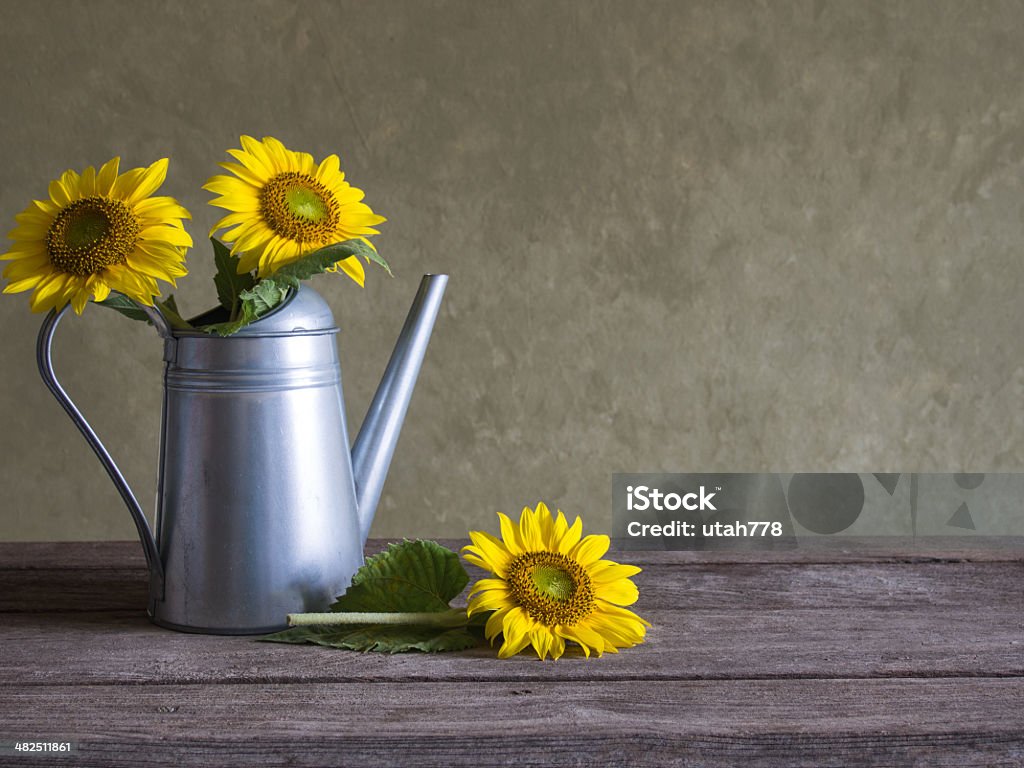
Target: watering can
(262,509)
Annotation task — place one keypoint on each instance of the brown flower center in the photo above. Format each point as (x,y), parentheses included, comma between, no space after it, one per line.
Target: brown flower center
(551,587)
(298,207)
(91,234)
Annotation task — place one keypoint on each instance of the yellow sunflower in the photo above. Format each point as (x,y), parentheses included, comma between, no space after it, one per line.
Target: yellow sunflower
(552,586)
(98,232)
(284,206)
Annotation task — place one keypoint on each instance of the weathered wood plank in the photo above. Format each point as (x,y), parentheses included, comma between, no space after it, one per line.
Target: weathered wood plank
(112,648)
(128,554)
(741,586)
(756,723)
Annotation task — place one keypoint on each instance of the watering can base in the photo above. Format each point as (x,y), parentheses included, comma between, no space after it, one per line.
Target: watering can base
(217,630)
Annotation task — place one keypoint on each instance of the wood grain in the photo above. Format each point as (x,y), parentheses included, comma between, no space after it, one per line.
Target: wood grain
(825,549)
(774,659)
(683,645)
(795,722)
(738,585)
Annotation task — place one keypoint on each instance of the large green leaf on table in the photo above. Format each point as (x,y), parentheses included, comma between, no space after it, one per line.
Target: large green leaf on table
(382,638)
(230,284)
(409,576)
(413,577)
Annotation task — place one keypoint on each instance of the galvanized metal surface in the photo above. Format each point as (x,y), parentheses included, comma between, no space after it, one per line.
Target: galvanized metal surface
(259,510)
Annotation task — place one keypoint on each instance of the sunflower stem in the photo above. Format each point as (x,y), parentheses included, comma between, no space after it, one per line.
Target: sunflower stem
(453,617)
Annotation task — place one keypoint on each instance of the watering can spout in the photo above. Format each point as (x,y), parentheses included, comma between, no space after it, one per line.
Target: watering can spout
(375,444)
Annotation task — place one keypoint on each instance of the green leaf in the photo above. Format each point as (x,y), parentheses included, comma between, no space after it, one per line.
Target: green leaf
(229,283)
(410,576)
(266,295)
(248,298)
(169,308)
(127,307)
(381,638)
(245,316)
(348,248)
(121,303)
(323,259)
(255,303)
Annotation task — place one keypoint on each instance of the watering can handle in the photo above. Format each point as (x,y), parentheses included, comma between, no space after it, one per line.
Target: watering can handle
(45,362)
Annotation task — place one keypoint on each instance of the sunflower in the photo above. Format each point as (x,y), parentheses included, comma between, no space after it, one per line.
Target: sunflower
(98,232)
(284,206)
(552,586)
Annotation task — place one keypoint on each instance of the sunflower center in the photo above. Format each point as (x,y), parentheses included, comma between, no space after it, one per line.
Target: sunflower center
(298,207)
(91,234)
(553,582)
(551,587)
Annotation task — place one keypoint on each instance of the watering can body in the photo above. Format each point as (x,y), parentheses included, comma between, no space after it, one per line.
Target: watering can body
(261,509)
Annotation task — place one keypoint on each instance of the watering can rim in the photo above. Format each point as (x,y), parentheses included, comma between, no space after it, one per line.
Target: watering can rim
(304,312)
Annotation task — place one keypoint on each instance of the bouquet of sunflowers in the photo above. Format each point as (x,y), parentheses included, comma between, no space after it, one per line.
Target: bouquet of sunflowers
(106,236)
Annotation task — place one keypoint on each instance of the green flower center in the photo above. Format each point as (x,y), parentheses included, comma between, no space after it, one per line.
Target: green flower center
(553,582)
(298,207)
(91,234)
(306,203)
(551,587)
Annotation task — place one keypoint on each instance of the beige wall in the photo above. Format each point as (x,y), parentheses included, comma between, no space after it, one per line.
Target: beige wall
(715,236)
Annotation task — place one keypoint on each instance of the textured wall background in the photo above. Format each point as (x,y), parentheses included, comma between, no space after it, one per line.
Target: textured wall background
(715,236)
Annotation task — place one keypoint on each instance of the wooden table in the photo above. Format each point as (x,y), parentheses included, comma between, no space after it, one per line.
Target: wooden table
(845,656)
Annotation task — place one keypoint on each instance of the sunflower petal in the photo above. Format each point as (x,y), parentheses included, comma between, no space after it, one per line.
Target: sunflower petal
(620,592)
(162,207)
(571,537)
(510,535)
(150,181)
(541,641)
(516,630)
(59,194)
(529,531)
(22,268)
(260,153)
(491,551)
(545,524)
(87,185)
(328,170)
(244,173)
(586,637)
(257,163)
(163,233)
(351,267)
(607,570)
(79,299)
(494,623)
(490,600)
(485,584)
(557,647)
(590,549)
(107,176)
(614,614)
(100,289)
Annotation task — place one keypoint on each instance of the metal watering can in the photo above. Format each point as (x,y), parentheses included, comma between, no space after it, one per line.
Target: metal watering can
(261,508)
